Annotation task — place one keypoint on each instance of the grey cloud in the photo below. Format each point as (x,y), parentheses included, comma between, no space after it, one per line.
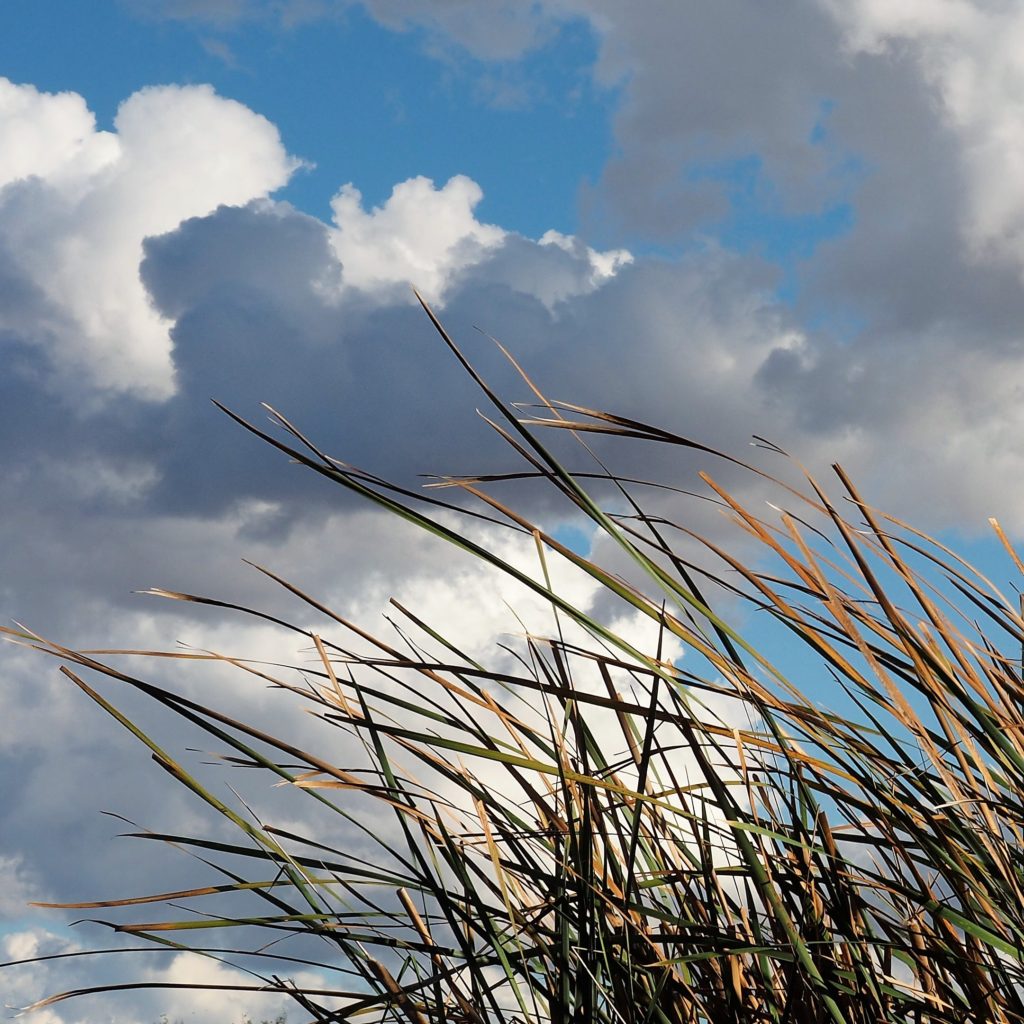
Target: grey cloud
(28,324)
(509,30)
(699,345)
(106,499)
(375,386)
(904,268)
(685,109)
(829,126)
(263,248)
(27,309)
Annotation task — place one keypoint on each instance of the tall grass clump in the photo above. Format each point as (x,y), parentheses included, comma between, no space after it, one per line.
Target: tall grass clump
(821,827)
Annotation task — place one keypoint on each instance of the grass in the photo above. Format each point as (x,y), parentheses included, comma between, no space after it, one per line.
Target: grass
(586,829)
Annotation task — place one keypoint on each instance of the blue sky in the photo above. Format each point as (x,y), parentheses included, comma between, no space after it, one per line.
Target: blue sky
(731,219)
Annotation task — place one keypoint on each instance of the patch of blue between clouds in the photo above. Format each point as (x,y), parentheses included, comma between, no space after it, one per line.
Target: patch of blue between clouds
(365,104)
(981,549)
(49,922)
(811,675)
(575,539)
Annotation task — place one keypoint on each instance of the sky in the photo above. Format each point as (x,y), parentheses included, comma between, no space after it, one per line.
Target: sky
(803,221)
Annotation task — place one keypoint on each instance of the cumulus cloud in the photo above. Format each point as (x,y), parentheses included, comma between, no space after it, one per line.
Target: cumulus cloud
(76,204)
(52,137)
(687,115)
(420,237)
(424,237)
(25,984)
(469,601)
(480,606)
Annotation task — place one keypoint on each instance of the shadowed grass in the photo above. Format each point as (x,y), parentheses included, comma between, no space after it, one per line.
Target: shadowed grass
(589,831)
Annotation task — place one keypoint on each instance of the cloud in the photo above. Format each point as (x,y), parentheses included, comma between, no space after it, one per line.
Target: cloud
(425,237)
(420,237)
(969,54)
(272,305)
(259,302)
(687,114)
(25,984)
(50,136)
(18,885)
(908,113)
(76,204)
(219,1007)
(75,762)
(871,25)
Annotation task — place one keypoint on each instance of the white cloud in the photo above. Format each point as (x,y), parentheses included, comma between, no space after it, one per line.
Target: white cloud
(459,594)
(421,237)
(475,602)
(871,25)
(429,238)
(23,985)
(50,136)
(76,204)
(211,1006)
(682,102)
(27,983)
